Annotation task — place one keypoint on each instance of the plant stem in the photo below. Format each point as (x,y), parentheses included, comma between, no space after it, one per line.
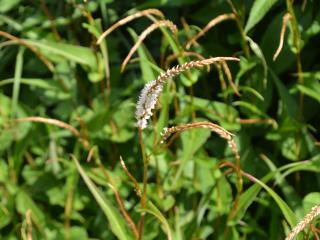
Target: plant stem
(145,183)
(297,43)
(17,80)
(239,20)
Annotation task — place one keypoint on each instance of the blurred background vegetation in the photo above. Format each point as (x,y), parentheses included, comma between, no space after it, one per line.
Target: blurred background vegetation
(67,115)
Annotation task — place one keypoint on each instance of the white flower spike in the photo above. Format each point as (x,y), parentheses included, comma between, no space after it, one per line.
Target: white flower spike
(151,91)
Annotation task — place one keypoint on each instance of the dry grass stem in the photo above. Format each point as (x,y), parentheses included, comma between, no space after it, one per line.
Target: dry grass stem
(55,122)
(211,24)
(124,212)
(285,20)
(7,43)
(50,121)
(125,20)
(32,48)
(316,231)
(150,93)
(167,132)
(256,120)
(315,211)
(144,34)
(135,182)
(29,224)
(91,153)
(175,56)
(229,77)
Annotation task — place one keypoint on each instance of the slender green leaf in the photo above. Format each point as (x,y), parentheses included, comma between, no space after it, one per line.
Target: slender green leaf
(117,224)
(34,82)
(286,211)
(249,195)
(313,92)
(288,101)
(258,52)
(253,91)
(7,5)
(78,54)
(24,203)
(253,108)
(259,9)
(17,81)
(148,73)
(152,209)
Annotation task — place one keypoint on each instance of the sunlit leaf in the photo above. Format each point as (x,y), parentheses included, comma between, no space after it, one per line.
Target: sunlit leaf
(259,9)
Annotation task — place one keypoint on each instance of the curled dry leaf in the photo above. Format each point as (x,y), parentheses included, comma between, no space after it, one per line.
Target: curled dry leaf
(285,20)
(144,34)
(58,123)
(127,19)
(211,24)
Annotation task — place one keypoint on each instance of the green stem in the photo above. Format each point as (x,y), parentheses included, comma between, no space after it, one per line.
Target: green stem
(17,80)
(239,21)
(145,183)
(297,43)
(232,213)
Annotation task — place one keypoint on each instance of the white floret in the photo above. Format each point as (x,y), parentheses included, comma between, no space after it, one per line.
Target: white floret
(147,102)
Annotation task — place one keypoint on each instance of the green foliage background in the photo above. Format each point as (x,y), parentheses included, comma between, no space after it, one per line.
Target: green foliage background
(51,67)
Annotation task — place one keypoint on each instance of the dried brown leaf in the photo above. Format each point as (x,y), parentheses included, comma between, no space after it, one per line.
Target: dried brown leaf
(127,19)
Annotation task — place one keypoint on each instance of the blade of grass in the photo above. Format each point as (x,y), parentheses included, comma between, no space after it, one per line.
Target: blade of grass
(144,56)
(258,52)
(290,194)
(79,54)
(250,194)
(153,210)
(34,82)
(314,166)
(259,9)
(287,100)
(17,81)
(95,29)
(117,224)
(285,209)
(251,107)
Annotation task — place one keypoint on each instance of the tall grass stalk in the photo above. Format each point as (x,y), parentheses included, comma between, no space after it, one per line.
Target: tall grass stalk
(145,183)
(297,43)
